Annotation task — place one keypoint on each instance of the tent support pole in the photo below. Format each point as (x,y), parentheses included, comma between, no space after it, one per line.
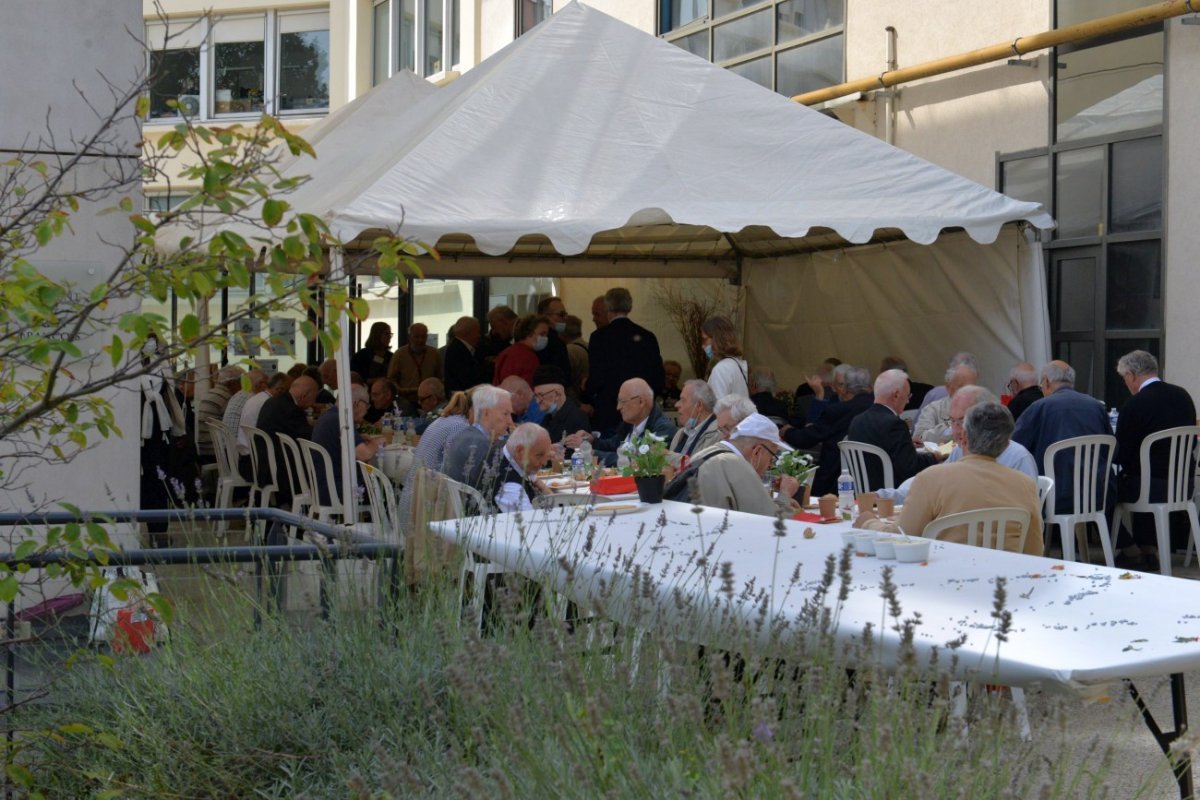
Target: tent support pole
(345,402)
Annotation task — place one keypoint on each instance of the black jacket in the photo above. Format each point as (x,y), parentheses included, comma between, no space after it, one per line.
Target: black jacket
(620,350)
(825,434)
(879,425)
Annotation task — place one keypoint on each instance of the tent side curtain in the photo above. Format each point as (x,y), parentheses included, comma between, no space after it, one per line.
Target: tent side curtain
(921,303)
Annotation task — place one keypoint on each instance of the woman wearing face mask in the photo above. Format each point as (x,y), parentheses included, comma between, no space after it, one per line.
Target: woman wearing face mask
(530,336)
(728,375)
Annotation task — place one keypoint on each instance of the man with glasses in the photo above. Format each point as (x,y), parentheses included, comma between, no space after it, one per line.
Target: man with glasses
(853,386)
(431,399)
(639,412)
(733,479)
(881,426)
(562,415)
(1023,386)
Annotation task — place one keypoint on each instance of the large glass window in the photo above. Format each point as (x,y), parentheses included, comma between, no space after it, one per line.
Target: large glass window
(1110,89)
(239,55)
(1136,195)
(1079,187)
(304,61)
(530,13)
(791,46)
(1028,179)
(246,64)
(418,36)
(174,68)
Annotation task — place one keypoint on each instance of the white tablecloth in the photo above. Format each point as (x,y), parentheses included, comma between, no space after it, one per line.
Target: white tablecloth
(1074,626)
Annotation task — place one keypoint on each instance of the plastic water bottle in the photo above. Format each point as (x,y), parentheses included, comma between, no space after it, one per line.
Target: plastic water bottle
(1112,419)
(845,492)
(578,466)
(585,456)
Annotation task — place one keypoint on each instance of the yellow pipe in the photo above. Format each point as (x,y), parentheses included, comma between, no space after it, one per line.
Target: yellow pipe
(1017,47)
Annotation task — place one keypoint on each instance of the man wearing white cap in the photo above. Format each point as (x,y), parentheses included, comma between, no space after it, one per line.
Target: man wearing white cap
(734,479)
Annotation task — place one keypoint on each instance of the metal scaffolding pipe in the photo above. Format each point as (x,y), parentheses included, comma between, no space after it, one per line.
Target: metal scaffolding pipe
(1019,46)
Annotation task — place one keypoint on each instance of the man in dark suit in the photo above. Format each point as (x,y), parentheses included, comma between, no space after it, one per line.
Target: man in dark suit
(619,351)
(762,394)
(284,413)
(880,425)
(639,413)
(854,389)
(562,416)
(1155,406)
(1062,414)
(1023,386)
(472,457)
(554,354)
(463,366)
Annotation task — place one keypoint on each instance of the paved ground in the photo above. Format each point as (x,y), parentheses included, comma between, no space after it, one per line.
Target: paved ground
(1107,737)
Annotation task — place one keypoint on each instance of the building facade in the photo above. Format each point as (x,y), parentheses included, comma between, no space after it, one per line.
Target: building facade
(1094,130)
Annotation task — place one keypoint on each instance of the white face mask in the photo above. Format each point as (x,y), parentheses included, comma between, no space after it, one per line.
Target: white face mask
(541,342)
(150,347)
(560,327)
(690,425)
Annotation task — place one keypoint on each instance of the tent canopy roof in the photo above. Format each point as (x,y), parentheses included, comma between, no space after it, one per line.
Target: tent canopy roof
(588,136)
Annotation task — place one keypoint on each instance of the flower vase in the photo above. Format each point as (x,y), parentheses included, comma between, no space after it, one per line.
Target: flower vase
(650,487)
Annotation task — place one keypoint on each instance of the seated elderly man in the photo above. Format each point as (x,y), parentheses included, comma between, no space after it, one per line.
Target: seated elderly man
(328,433)
(974,482)
(881,426)
(1023,386)
(526,450)
(431,399)
(933,425)
(562,415)
(733,478)
(472,456)
(639,413)
(1015,456)
(384,400)
(762,393)
(730,410)
(699,430)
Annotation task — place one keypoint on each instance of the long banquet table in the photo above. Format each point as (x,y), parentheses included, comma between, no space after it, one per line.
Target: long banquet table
(1075,627)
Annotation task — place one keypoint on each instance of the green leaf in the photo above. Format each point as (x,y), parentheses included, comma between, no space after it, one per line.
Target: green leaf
(272,211)
(19,775)
(118,350)
(9,588)
(189,327)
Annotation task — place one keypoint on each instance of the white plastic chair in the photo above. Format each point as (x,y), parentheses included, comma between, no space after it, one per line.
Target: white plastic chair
(297,475)
(266,475)
(316,458)
(385,511)
(466,502)
(986,527)
(229,479)
(1181,444)
(1089,491)
(854,456)
(1045,486)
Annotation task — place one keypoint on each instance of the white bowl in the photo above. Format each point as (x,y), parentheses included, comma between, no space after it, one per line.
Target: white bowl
(912,550)
(865,543)
(848,537)
(885,547)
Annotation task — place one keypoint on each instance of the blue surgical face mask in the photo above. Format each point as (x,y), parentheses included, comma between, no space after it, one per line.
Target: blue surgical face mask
(541,342)
(553,407)
(708,351)
(690,425)
(560,327)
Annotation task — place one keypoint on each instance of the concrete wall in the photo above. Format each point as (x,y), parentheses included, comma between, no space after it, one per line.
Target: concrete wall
(962,119)
(1181,360)
(48,115)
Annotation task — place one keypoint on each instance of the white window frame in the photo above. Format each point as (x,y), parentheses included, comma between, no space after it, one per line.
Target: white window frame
(395,13)
(208,76)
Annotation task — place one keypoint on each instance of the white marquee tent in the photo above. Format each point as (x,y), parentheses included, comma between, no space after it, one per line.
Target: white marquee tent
(590,148)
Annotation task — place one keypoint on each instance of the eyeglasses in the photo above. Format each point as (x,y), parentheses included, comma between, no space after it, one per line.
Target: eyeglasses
(548,394)
(360,400)
(773,453)
(623,401)
(421,398)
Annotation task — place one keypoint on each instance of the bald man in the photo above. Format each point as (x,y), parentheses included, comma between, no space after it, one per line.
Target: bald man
(1023,386)
(639,412)
(414,362)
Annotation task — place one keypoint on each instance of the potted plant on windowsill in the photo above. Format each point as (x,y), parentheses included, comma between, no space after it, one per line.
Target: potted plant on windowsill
(647,454)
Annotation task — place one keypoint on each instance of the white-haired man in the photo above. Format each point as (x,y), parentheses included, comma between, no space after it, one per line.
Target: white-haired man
(933,424)
(938,392)
(1155,406)
(733,478)
(698,423)
(470,454)
(730,410)
(976,481)
(1023,386)
(228,380)
(881,426)
(328,433)
(526,450)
